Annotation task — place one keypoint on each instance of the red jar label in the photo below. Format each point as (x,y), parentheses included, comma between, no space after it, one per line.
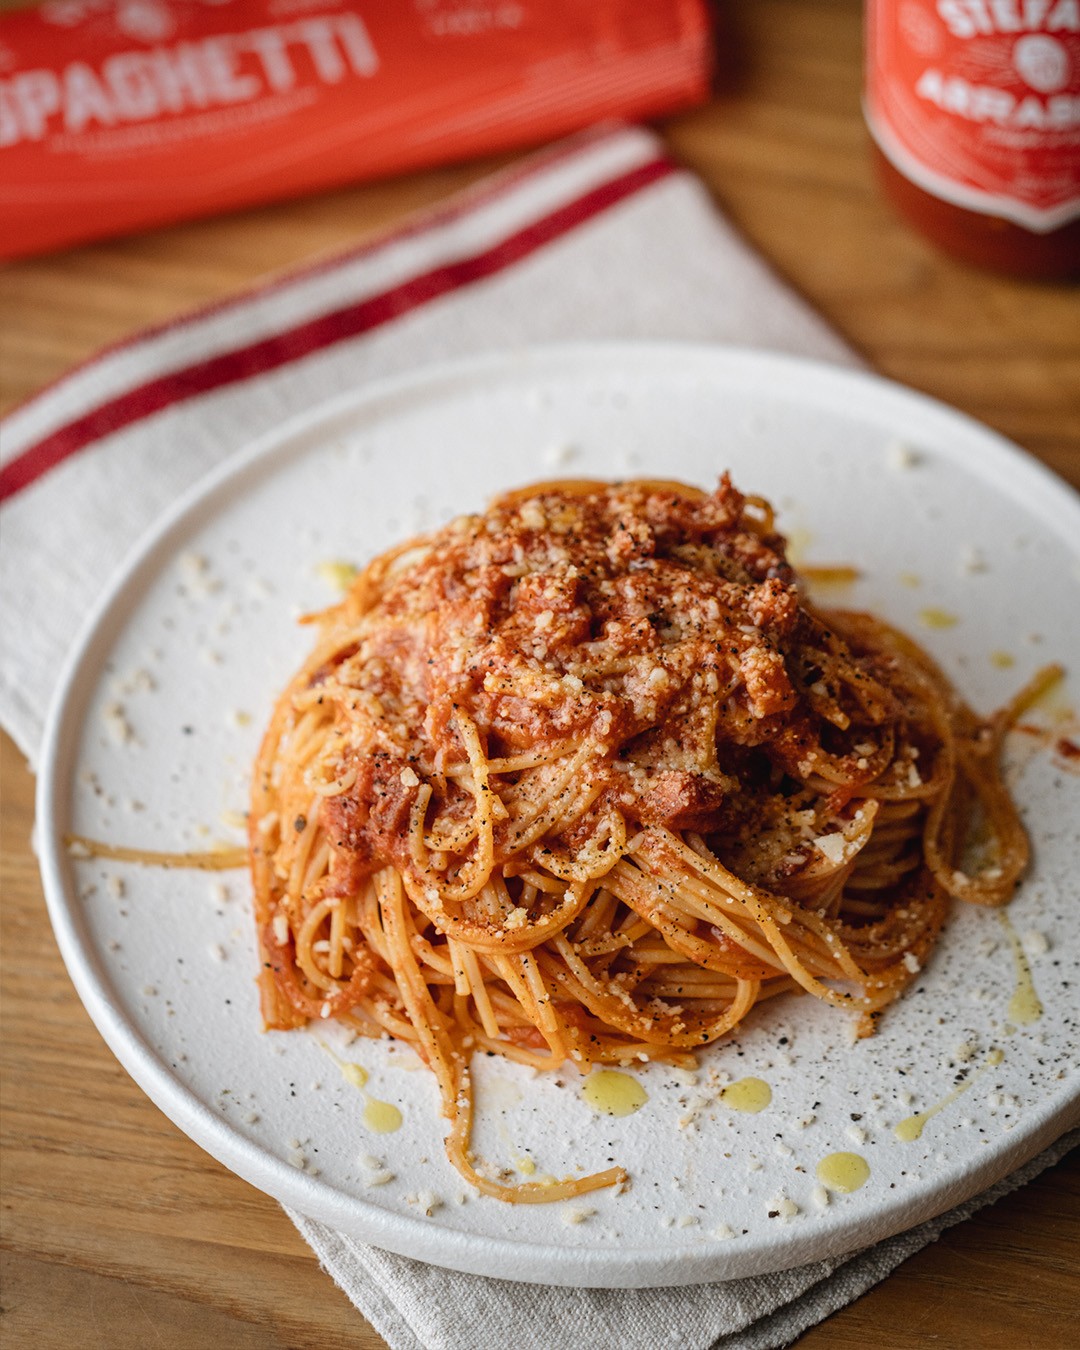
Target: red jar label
(978,102)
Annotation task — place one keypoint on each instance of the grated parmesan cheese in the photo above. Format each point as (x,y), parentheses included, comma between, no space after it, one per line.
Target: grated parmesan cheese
(380,1177)
(577,1214)
(1034,942)
(902,456)
(558,456)
(116,724)
(783,1206)
(832,846)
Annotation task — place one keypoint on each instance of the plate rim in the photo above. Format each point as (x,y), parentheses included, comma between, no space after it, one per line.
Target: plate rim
(1043,492)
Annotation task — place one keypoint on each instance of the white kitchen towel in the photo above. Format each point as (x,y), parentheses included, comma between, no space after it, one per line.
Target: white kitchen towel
(602,236)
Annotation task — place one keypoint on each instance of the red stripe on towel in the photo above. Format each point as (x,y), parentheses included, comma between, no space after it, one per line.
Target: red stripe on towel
(293,344)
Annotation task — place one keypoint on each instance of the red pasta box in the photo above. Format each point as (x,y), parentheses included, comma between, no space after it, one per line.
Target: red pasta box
(117,115)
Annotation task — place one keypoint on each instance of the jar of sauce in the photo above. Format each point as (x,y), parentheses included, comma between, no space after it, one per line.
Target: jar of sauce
(974,109)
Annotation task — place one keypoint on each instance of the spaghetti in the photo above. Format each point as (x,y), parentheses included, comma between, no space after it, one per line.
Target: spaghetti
(587,777)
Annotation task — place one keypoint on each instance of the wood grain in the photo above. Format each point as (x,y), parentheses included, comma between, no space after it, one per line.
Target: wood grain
(117,1230)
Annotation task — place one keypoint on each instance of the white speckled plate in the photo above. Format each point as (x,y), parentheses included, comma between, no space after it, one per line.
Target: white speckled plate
(162,704)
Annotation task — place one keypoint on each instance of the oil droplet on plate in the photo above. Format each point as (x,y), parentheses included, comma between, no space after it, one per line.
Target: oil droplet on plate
(381,1117)
(843,1172)
(911,1128)
(824,576)
(1025,1006)
(355,1074)
(337,574)
(933,617)
(614,1093)
(747,1094)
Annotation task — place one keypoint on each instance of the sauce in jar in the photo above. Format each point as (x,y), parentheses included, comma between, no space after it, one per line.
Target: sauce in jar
(974,107)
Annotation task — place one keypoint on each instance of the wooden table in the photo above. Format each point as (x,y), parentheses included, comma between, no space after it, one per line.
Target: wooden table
(117,1231)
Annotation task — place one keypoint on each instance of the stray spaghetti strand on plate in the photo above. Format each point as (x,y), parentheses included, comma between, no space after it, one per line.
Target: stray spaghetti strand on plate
(587,777)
